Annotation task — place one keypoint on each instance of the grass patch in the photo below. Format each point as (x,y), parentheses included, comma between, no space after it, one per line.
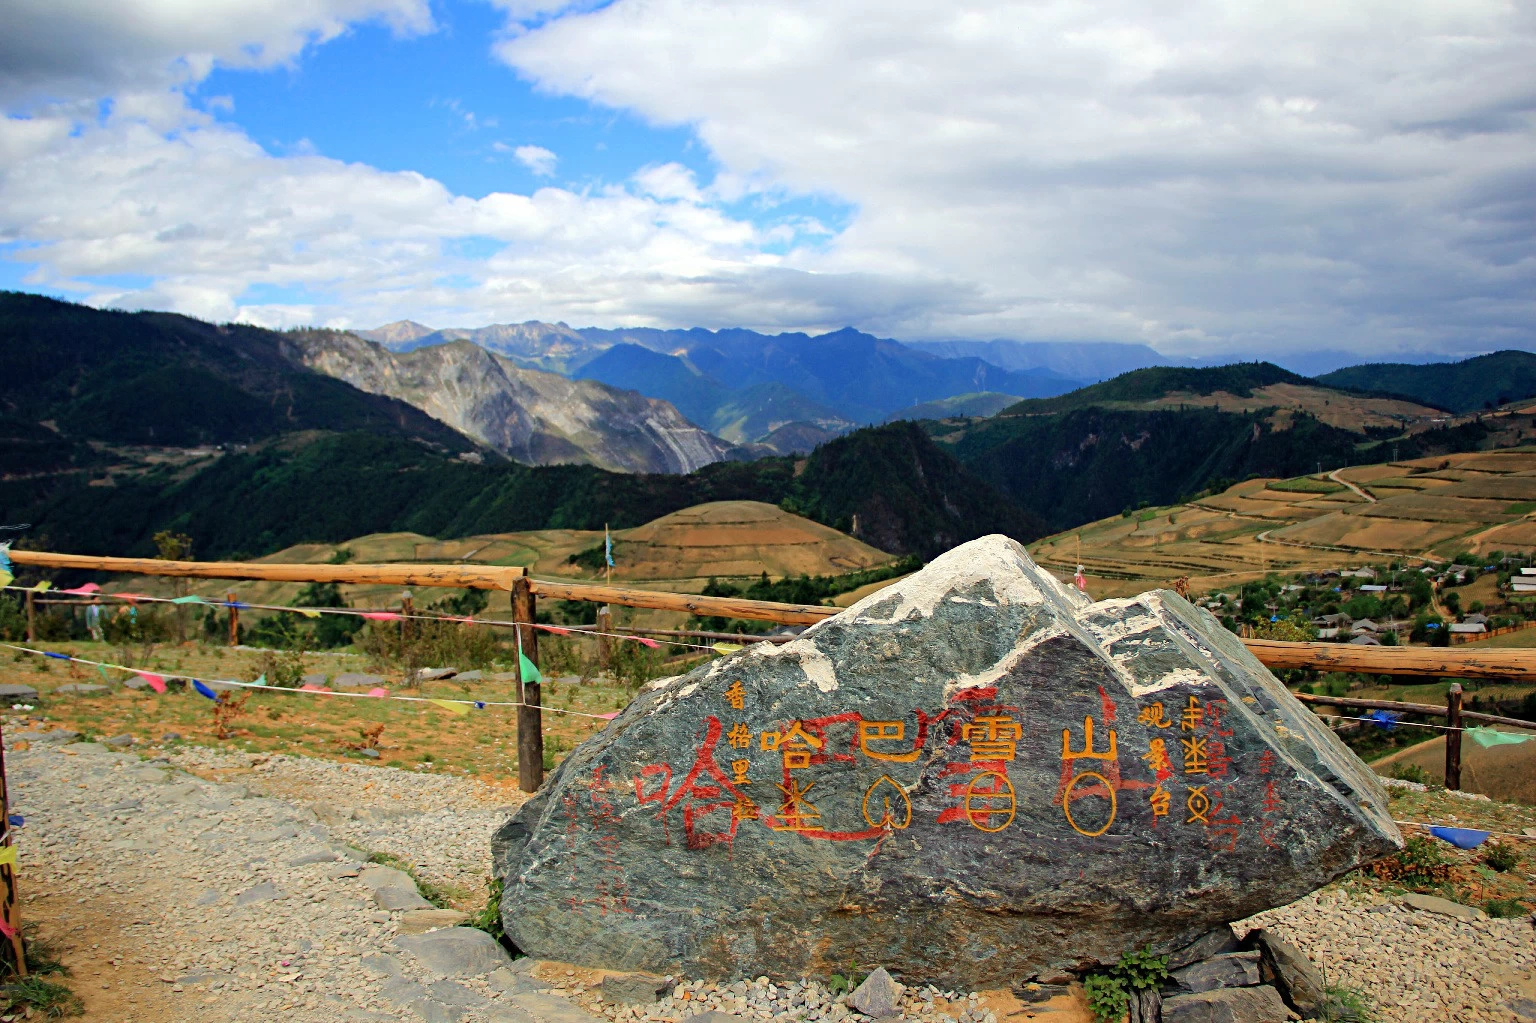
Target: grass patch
(488,918)
(1346,1005)
(1305,485)
(36,995)
(443,896)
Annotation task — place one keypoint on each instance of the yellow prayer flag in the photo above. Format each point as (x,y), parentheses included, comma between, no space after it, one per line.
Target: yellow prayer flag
(7,856)
(727,648)
(40,587)
(450,706)
(310,614)
(5,577)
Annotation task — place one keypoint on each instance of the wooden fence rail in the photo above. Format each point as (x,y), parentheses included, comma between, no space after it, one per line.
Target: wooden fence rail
(1426,662)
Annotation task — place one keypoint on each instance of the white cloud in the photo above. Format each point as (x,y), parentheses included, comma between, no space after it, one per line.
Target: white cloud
(72,49)
(537,159)
(1216,176)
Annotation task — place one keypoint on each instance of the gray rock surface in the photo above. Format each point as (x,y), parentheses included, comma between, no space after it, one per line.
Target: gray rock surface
(58,735)
(1445,907)
(1228,1005)
(633,988)
(1218,941)
(435,674)
(16,692)
(456,951)
(1005,779)
(118,741)
(878,996)
(1231,969)
(419,921)
(356,680)
(1289,969)
(79,689)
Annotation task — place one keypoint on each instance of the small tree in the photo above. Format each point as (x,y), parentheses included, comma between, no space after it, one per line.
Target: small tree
(176,547)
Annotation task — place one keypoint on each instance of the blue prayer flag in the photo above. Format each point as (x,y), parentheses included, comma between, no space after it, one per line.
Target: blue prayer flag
(1461,838)
(57,657)
(205,690)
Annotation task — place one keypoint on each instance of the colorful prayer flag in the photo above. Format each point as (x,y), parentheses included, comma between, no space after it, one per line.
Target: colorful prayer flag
(378,691)
(1080,579)
(7,855)
(1486,737)
(607,547)
(205,690)
(381,616)
(40,587)
(450,706)
(309,612)
(155,681)
(193,599)
(528,671)
(727,648)
(5,577)
(1461,838)
(648,642)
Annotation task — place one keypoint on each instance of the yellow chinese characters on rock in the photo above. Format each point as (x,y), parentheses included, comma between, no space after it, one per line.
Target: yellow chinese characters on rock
(796,745)
(1089,781)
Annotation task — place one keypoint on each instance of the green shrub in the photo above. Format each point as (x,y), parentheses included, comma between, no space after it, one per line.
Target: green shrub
(488,919)
(1502,856)
(1346,1005)
(1505,908)
(34,994)
(1110,990)
(1410,772)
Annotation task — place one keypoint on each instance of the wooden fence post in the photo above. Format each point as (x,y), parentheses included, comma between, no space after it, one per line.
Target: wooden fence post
(31,617)
(234,619)
(604,642)
(1453,737)
(407,607)
(8,909)
(530,724)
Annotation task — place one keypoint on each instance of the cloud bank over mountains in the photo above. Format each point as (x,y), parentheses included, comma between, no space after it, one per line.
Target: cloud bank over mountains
(1214,180)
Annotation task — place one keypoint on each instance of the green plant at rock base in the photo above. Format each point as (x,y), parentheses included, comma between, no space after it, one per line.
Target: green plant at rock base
(34,994)
(488,919)
(1110,990)
(1502,856)
(1346,1005)
(1504,908)
(844,983)
(1410,772)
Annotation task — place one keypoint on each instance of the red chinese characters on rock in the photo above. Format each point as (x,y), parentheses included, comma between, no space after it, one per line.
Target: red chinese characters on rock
(713,807)
(985,798)
(610,889)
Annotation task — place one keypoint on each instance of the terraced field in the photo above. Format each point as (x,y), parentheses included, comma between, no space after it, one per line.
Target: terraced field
(1433,507)
(680,552)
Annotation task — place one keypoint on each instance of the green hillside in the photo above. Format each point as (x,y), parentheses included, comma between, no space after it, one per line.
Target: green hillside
(160,379)
(1484,382)
(910,496)
(1150,384)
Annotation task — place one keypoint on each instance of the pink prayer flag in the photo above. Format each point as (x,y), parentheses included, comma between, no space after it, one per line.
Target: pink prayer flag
(378,691)
(648,642)
(556,631)
(6,929)
(310,687)
(155,681)
(381,616)
(81,591)
(609,717)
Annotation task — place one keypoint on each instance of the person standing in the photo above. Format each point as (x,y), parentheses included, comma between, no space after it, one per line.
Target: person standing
(93,619)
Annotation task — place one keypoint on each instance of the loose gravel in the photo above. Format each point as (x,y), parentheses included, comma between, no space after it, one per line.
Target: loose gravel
(231,885)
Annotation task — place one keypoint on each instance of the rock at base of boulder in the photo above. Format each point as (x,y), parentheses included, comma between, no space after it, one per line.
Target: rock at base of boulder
(396,899)
(118,741)
(1212,943)
(15,692)
(420,921)
(1445,907)
(58,735)
(1228,1005)
(878,996)
(1231,969)
(455,951)
(436,674)
(633,988)
(1289,969)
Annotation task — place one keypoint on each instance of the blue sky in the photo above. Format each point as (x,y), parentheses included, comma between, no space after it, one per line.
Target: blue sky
(1209,181)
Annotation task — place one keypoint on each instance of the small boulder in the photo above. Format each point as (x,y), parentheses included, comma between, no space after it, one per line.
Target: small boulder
(1444,907)
(15,692)
(634,988)
(79,689)
(1231,969)
(435,674)
(318,856)
(420,921)
(264,892)
(118,741)
(1213,943)
(470,676)
(396,899)
(1289,969)
(58,735)
(455,951)
(879,996)
(1227,1005)
(356,680)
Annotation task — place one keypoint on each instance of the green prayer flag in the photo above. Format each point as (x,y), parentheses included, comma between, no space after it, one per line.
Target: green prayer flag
(194,599)
(261,679)
(529,669)
(1486,737)
(103,670)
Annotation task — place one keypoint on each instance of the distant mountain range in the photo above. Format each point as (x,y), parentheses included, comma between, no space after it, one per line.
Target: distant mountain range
(747,387)
(529,415)
(1485,382)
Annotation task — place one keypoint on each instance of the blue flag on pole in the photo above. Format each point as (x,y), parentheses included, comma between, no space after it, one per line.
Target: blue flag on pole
(607,547)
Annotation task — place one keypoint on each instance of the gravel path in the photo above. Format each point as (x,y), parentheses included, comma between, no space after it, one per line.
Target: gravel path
(231,893)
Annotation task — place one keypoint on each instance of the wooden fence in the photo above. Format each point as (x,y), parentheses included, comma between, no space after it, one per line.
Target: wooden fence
(1416,662)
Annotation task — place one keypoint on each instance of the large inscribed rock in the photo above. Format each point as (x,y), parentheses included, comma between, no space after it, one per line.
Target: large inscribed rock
(972,777)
